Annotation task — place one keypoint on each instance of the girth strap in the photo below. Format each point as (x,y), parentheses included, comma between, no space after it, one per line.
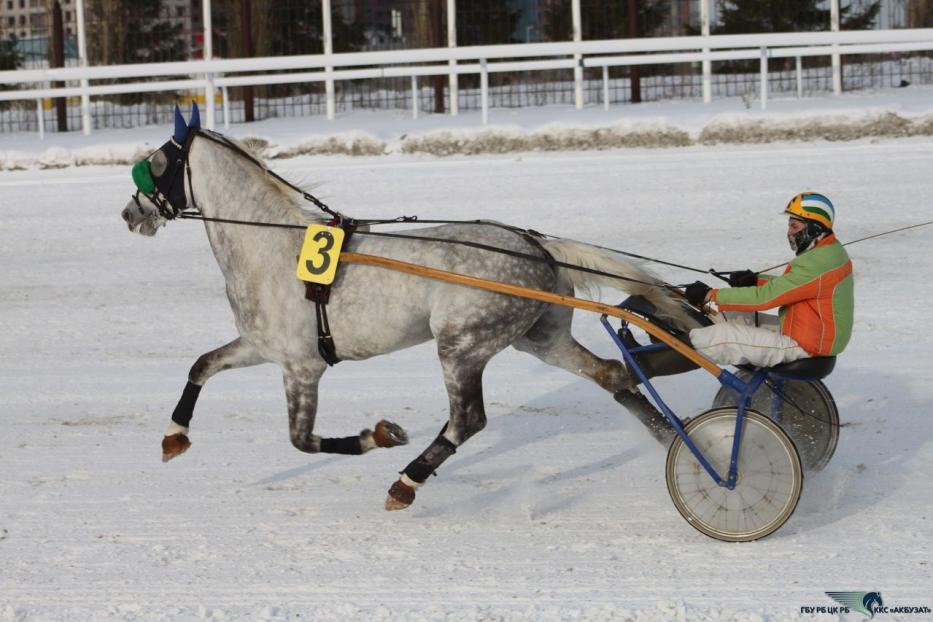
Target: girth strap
(320,295)
(325,341)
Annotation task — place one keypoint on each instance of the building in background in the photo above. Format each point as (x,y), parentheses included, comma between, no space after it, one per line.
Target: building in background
(30,18)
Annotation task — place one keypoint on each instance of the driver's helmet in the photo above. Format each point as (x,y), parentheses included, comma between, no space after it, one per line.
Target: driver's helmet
(812,207)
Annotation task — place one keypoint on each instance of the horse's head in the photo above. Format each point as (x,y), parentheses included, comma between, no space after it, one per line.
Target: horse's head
(160,179)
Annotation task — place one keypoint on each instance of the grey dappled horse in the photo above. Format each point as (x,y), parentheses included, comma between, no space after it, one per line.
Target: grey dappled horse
(372,310)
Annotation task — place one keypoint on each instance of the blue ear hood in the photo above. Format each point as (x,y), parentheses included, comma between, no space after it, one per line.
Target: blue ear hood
(195,122)
(181,128)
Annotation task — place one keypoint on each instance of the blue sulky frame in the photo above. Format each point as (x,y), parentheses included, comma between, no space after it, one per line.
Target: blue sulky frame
(727,378)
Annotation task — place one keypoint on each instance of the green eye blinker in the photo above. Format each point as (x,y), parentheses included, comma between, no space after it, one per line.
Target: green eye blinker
(144,170)
(143,178)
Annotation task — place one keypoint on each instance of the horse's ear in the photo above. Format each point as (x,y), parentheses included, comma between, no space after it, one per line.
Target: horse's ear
(181,128)
(195,122)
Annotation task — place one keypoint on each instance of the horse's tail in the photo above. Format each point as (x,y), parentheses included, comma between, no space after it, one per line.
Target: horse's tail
(632,279)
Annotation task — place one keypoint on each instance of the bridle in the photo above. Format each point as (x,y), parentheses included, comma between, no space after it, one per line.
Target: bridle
(169,195)
(165,170)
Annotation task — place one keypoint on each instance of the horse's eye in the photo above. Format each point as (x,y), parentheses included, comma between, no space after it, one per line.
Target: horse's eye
(158,163)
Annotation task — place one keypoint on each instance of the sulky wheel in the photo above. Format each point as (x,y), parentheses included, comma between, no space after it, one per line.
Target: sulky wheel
(769,476)
(805,409)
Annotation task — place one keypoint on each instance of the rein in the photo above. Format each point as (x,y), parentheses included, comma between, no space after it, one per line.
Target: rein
(485,247)
(867,237)
(339,220)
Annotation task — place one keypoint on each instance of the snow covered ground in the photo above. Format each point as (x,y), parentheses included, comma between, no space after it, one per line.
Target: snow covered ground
(557,511)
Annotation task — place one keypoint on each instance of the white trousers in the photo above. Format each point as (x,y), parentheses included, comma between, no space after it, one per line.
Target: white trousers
(735,340)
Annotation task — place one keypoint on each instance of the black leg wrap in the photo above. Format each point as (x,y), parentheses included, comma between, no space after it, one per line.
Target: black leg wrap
(346,445)
(185,408)
(433,457)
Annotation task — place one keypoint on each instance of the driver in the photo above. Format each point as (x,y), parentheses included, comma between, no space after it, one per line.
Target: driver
(814,297)
(815,300)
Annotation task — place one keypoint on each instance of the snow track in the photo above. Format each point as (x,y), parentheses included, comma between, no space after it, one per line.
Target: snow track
(557,511)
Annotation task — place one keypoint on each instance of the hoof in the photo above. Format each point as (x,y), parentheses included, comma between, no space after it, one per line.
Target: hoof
(389,434)
(174,445)
(401,496)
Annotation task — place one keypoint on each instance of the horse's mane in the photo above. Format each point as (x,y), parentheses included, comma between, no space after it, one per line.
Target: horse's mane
(253,148)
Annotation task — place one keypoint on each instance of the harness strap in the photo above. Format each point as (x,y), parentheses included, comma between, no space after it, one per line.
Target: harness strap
(325,341)
(320,295)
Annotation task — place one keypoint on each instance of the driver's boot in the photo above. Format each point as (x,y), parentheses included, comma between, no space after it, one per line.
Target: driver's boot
(666,362)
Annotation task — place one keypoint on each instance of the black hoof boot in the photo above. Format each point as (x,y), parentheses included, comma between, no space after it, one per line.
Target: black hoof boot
(637,404)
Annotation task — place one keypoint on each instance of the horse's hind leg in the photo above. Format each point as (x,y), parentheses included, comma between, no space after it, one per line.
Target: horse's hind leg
(301,388)
(550,341)
(235,354)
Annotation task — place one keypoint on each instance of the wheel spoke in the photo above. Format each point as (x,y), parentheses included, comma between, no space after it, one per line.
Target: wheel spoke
(768,484)
(807,413)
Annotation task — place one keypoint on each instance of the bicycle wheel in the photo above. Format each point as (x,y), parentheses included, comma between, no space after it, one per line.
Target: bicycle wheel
(770,476)
(806,411)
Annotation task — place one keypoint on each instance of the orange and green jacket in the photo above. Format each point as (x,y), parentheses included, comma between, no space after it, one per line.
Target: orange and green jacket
(815,294)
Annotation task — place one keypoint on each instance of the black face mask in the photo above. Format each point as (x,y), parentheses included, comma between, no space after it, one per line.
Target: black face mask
(161,176)
(171,183)
(165,185)
(803,240)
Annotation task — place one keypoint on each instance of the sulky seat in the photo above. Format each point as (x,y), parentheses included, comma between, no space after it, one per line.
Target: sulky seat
(815,368)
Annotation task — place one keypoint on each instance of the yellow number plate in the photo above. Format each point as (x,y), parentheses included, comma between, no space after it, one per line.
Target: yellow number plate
(319,254)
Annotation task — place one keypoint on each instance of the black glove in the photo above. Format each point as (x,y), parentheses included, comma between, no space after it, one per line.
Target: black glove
(743,278)
(696,293)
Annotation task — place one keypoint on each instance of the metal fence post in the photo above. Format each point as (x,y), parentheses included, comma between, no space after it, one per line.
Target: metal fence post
(208,54)
(764,78)
(578,66)
(225,96)
(484,89)
(82,62)
(799,77)
(837,60)
(453,80)
(328,50)
(414,97)
(707,65)
(605,87)
(40,118)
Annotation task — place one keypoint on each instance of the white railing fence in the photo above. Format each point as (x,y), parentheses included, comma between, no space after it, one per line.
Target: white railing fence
(210,74)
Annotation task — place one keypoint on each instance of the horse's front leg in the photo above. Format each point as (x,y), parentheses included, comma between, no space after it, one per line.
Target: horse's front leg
(467,417)
(235,354)
(301,386)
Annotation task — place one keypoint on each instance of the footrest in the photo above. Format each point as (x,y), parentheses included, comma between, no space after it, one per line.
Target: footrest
(814,368)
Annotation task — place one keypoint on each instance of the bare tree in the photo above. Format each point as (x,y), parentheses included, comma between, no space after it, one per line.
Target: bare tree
(920,14)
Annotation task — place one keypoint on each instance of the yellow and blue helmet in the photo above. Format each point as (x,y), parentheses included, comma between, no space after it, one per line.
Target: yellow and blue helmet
(814,207)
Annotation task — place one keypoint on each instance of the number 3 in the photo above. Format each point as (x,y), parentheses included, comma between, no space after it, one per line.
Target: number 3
(322,252)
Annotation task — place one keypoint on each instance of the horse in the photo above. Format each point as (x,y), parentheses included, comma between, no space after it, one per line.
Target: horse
(371,311)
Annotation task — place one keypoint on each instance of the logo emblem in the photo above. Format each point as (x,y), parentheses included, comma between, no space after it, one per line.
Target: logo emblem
(867,603)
